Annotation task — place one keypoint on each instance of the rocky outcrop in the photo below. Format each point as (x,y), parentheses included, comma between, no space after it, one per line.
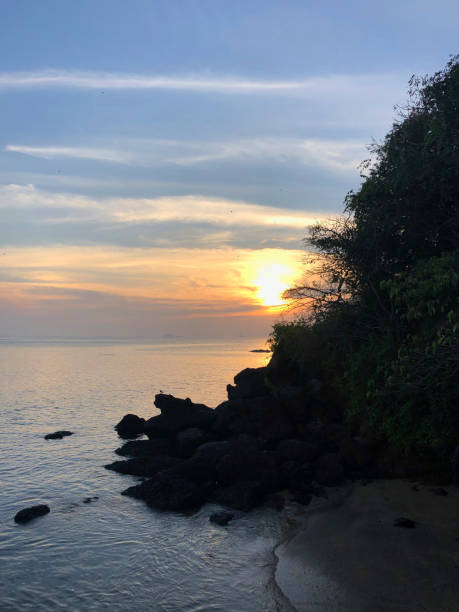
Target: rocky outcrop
(177,415)
(28,514)
(130,426)
(265,439)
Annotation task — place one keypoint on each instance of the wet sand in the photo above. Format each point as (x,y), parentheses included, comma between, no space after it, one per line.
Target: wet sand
(351,558)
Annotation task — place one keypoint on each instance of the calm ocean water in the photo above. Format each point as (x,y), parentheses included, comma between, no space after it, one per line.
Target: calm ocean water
(115,553)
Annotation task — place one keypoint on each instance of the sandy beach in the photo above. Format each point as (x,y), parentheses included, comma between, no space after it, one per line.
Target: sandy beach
(349,556)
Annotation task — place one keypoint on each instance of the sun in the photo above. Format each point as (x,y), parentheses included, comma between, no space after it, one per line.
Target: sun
(271,281)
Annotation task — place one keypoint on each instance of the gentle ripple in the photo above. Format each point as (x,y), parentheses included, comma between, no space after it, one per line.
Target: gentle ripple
(115,553)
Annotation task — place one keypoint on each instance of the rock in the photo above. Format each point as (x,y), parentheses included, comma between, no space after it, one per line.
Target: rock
(356,452)
(404,522)
(336,436)
(318,490)
(221,518)
(276,502)
(294,402)
(261,417)
(248,383)
(256,466)
(439,491)
(295,476)
(130,425)
(146,448)
(177,414)
(58,435)
(188,440)
(213,451)
(455,465)
(241,496)
(166,494)
(302,498)
(329,471)
(297,450)
(198,469)
(28,514)
(143,466)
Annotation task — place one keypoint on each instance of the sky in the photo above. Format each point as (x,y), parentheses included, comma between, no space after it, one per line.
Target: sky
(161,160)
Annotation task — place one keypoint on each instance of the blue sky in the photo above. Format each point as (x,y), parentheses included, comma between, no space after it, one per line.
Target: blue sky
(147,135)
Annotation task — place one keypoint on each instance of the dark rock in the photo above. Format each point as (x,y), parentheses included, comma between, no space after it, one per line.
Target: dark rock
(261,417)
(318,490)
(329,471)
(248,383)
(294,403)
(297,450)
(177,414)
(255,466)
(241,496)
(404,522)
(336,436)
(166,494)
(188,440)
(213,451)
(145,448)
(356,452)
(130,425)
(58,435)
(198,469)
(302,498)
(275,501)
(439,491)
(28,514)
(143,466)
(455,465)
(295,476)
(221,518)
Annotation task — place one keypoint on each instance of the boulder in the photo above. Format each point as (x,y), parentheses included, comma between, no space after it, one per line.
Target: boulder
(243,495)
(276,501)
(188,440)
(28,514)
(294,401)
(255,466)
(198,469)
(404,522)
(261,417)
(455,465)
(177,414)
(221,518)
(297,450)
(145,448)
(130,426)
(213,451)
(329,470)
(356,452)
(168,494)
(143,466)
(295,476)
(248,383)
(58,435)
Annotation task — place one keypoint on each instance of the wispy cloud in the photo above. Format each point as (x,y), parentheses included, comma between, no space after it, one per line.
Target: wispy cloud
(314,86)
(179,209)
(334,155)
(109,155)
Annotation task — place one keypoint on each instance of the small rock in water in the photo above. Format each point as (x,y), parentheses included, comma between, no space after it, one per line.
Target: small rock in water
(58,435)
(221,518)
(27,514)
(404,522)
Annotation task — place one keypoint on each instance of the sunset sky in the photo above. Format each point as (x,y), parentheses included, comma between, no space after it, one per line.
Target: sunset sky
(160,160)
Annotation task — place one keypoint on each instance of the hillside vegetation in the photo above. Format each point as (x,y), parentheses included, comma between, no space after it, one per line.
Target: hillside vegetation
(381,328)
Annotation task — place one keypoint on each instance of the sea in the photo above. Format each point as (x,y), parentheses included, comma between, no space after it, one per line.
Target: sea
(115,553)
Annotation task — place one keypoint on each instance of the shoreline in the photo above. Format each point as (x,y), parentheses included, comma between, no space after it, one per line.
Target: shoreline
(348,556)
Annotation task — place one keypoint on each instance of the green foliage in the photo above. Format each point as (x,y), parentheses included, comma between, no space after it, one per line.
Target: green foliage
(385,320)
